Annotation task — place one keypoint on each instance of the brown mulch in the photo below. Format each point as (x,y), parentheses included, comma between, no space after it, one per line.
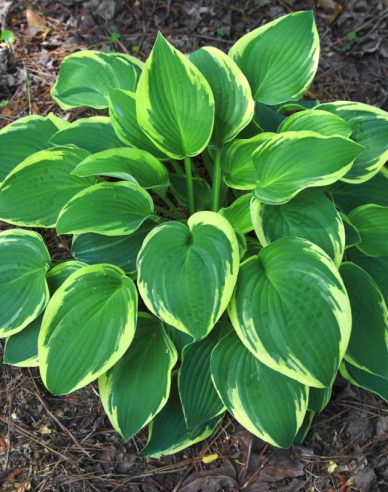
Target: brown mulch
(66,443)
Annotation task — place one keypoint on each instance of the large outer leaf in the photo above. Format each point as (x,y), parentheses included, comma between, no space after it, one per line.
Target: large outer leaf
(267,403)
(88,325)
(348,196)
(292,161)
(128,164)
(309,215)
(85,77)
(369,128)
(322,122)
(25,137)
(34,193)
(93,134)
(136,388)
(111,209)
(291,310)
(365,379)
(234,105)
(279,59)
(122,111)
(187,274)
(371,222)
(199,397)
(368,345)
(175,105)
(24,261)
(168,432)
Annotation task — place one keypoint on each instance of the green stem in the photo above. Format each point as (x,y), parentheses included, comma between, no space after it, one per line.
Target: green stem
(176,166)
(190,189)
(172,206)
(164,211)
(216,181)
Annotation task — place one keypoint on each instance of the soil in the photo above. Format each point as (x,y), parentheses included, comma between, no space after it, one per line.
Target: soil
(66,443)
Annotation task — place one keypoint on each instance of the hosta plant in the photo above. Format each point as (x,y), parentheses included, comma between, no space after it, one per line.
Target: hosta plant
(229,239)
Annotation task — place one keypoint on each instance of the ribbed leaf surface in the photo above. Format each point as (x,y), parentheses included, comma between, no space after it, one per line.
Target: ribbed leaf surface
(365,379)
(21,349)
(371,222)
(238,214)
(317,121)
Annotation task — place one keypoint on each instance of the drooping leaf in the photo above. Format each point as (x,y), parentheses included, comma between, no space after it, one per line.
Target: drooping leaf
(25,137)
(233,103)
(309,215)
(198,395)
(93,134)
(34,193)
(21,349)
(321,122)
(250,391)
(292,161)
(85,77)
(168,433)
(238,214)
(88,325)
(279,59)
(319,398)
(364,379)
(187,273)
(369,128)
(177,104)
(122,111)
(24,261)
(202,191)
(110,209)
(371,222)
(237,164)
(136,388)
(368,345)
(291,310)
(352,236)
(120,251)
(127,164)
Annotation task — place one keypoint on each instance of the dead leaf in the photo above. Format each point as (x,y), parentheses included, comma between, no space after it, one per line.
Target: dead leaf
(35,20)
(43,429)
(210,458)
(211,480)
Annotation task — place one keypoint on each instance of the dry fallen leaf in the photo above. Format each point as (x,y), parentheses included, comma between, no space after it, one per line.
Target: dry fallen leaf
(35,20)
(43,429)
(210,458)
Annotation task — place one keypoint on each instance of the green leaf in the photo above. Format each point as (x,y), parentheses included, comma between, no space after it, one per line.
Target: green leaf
(202,191)
(371,222)
(127,164)
(319,398)
(237,164)
(136,388)
(238,214)
(120,251)
(7,35)
(368,345)
(187,273)
(377,267)
(352,236)
(21,349)
(233,101)
(348,196)
(61,272)
(122,111)
(199,397)
(179,338)
(34,193)
(267,118)
(317,121)
(292,161)
(25,137)
(24,261)
(291,310)
(168,432)
(88,325)
(85,77)
(309,215)
(304,428)
(369,128)
(110,209)
(250,391)
(177,104)
(365,379)
(93,134)
(279,59)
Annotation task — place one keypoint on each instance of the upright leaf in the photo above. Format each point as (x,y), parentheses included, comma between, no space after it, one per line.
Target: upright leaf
(279,59)
(291,310)
(88,325)
(187,273)
(176,104)
(238,214)
(371,222)
(24,261)
(250,391)
(136,388)
(321,122)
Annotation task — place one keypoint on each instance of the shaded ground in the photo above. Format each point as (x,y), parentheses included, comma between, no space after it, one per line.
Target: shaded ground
(67,443)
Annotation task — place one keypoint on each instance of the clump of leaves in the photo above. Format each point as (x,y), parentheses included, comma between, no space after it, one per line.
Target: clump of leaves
(253,225)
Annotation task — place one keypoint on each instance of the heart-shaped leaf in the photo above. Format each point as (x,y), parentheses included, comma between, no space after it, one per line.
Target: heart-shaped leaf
(187,273)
